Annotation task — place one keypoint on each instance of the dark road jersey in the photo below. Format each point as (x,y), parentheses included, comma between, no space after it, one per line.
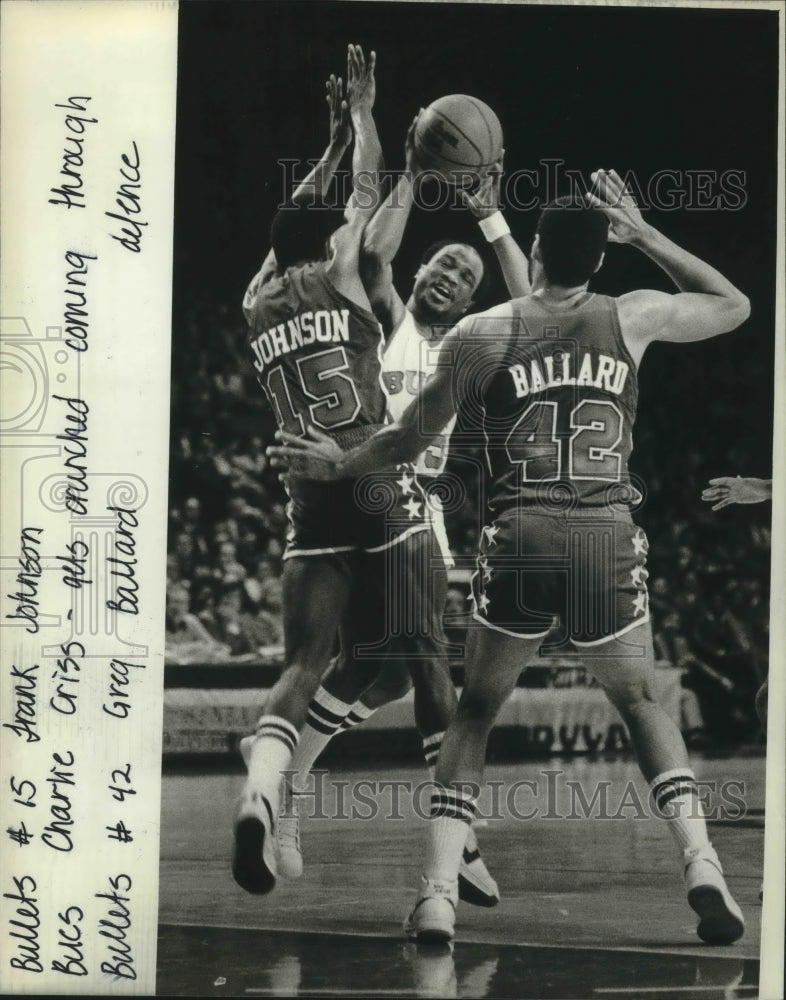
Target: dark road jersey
(557,394)
(316,354)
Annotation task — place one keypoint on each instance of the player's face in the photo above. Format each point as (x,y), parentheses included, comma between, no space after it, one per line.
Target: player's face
(445,285)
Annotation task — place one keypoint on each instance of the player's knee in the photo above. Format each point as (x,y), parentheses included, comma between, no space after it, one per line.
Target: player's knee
(632,700)
(393,683)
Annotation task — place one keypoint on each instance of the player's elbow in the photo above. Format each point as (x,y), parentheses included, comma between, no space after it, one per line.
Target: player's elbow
(732,312)
(742,307)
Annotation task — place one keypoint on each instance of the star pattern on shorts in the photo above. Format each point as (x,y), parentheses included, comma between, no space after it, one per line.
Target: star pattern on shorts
(484,602)
(487,571)
(639,574)
(405,483)
(413,507)
(640,603)
(640,545)
(471,594)
(490,531)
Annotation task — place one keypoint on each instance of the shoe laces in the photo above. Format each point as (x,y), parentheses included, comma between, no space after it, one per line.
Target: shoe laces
(289,822)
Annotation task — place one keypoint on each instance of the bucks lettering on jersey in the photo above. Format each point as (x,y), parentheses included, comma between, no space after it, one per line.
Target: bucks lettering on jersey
(316,353)
(408,362)
(557,391)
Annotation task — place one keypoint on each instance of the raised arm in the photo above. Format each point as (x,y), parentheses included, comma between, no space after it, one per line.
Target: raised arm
(367,164)
(367,159)
(706,305)
(314,185)
(484,204)
(382,239)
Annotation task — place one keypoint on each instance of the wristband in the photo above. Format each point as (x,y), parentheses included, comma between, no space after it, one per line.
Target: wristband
(494,227)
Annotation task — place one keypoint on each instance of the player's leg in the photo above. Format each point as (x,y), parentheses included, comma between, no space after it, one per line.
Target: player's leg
(606,612)
(316,590)
(625,669)
(492,665)
(342,701)
(426,647)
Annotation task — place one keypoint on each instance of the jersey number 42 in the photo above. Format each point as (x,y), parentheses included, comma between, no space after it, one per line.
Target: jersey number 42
(589,452)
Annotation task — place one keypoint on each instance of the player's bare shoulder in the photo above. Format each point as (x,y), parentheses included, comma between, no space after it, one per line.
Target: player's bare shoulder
(642,315)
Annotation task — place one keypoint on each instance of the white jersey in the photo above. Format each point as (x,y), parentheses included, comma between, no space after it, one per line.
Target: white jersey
(407,363)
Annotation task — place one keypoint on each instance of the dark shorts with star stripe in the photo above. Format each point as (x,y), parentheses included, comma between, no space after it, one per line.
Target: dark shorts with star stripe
(401,594)
(368,514)
(584,569)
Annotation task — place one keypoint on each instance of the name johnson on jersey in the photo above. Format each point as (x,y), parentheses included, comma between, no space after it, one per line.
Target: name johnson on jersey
(323,326)
(611,374)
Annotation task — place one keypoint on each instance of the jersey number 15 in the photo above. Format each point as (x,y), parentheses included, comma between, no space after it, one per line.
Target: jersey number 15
(324,378)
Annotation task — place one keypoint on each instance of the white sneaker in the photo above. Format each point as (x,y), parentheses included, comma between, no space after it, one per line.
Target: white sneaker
(290,857)
(254,856)
(720,919)
(433,919)
(475,884)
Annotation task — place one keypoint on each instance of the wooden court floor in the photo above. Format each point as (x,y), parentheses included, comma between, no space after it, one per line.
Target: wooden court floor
(592,906)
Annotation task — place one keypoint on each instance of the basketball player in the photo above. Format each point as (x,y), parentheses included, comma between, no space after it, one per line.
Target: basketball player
(316,347)
(553,376)
(447,284)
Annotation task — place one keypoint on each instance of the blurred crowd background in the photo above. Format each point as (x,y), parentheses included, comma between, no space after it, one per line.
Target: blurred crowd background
(709,572)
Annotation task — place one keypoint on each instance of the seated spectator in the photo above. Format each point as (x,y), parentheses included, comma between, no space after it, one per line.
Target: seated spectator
(187,639)
(245,632)
(254,585)
(231,571)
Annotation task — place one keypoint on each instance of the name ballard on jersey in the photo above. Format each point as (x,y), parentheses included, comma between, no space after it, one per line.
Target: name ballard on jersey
(531,378)
(325,326)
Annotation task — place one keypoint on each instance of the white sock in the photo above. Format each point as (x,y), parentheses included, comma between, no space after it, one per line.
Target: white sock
(325,716)
(431,745)
(271,753)
(357,714)
(676,798)
(451,814)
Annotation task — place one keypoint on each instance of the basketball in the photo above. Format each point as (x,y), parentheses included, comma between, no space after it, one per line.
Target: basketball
(456,136)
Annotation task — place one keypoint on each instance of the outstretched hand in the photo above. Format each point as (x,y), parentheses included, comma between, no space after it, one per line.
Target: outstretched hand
(733,489)
(616,201)
(410,156)
(315,457)
(361,85)
(485,201)
(340,127)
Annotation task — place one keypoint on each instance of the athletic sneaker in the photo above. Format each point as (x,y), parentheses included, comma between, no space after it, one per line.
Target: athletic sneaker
(433,919)
(290,857)
(720,919)
(475,884)
(254,855)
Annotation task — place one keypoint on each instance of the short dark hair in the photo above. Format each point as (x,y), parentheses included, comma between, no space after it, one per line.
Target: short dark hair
(300,232)
(485,281)
(573,237)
